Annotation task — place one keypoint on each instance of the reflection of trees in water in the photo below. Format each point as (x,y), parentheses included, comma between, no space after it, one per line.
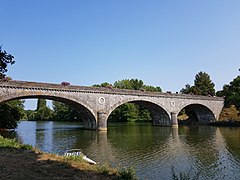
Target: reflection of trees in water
(200,144)
(208,150)
(74,138)
(138,138)
(134,142)
(151,149)
(232,140)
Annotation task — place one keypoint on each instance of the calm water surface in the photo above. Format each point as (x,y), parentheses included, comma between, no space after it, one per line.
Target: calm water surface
(155,152)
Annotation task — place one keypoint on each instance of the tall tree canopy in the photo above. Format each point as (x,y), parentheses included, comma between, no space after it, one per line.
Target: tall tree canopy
(231,92)
(42,112)
(133,84)
(10,113)
(203,85)
(5,59)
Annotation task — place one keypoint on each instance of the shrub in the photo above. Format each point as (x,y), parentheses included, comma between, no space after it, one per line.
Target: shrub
(127,173)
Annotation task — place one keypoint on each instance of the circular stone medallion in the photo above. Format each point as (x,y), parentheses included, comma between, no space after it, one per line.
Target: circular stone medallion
(172,103)
(101,100)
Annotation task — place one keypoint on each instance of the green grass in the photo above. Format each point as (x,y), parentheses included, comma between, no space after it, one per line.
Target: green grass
(12,143)
(104,169)
(74,158)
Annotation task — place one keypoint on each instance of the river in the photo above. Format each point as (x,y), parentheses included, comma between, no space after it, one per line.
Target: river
(202,152)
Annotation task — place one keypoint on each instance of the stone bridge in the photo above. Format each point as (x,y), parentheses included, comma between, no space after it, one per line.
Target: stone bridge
(96,104)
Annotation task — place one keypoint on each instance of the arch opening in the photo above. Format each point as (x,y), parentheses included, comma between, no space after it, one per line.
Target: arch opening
(140,111)
(195,114)
(87,117)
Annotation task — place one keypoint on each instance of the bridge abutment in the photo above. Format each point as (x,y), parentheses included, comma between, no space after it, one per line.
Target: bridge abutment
(102,121)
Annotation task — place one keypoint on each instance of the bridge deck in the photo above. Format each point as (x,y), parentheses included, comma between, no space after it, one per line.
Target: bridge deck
(101,90)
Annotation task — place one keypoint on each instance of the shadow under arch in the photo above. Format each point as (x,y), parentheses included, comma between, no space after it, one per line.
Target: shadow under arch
(89,120)
(159,115)
(198,113)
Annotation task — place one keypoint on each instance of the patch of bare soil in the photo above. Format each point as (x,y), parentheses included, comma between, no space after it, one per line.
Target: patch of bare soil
(27,164)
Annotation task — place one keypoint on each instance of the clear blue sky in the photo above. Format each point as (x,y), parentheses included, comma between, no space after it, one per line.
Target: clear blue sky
(86,42)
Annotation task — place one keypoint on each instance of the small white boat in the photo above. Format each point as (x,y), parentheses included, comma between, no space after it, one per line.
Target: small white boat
(78,152)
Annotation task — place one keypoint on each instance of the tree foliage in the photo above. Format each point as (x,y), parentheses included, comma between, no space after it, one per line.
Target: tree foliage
(5,59)
(203,85)
(10,113)
(131,111)
(133,84)
(62,112)
(152,88)
(42,113)
(105,84)
(13,111)
(231,92)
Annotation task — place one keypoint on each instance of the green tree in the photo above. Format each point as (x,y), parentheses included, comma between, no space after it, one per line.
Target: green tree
(231,93)
(5,59)
(130,112)
(186,89)
(105,84)
(42,112)
(62,112)
(203,85)
(10,113)
(152,88)
(123,84)
(41,103)
(133,84)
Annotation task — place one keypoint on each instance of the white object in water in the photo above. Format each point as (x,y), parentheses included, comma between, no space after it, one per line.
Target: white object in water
(85,158)
(78,152)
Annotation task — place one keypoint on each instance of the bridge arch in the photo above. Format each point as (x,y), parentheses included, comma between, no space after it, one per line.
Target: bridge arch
(89,117)
(202,112)
(159,115)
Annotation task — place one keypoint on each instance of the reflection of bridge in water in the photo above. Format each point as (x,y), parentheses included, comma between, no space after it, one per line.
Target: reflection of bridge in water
(151,149)
(96,104)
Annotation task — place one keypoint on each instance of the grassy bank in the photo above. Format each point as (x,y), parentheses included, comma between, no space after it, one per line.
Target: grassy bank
(19,161)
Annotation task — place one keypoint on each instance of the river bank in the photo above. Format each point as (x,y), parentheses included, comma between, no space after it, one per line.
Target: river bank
(20,161)
(228,123)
